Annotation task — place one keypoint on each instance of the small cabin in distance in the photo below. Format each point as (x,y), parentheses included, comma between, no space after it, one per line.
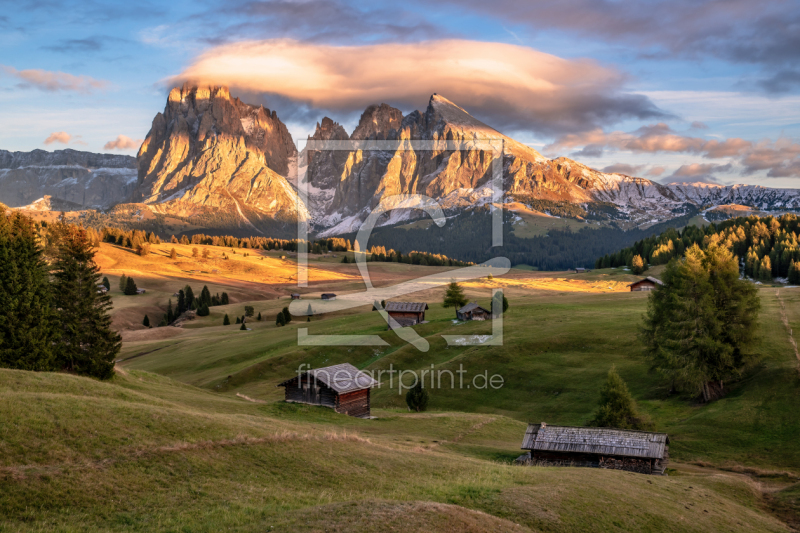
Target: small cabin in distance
(646,284)
(406,314)
(617,449)
(473,311)
(328,296)
(342,387)
(295,296)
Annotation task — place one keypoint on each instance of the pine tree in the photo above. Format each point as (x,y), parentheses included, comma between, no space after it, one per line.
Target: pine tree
(205,296)
(146,321)
(637,265)
(244,327)
(224,299)
(106,283)
(794,273)
(259,316)
(226,321)
(238,320)
(173,254)
(181,303)
(26,311)
(617,406)
(417,398)
(280,320)
(86,343)
(344,260)
(130,287)
(170,317)
(310,313)
(454,296)
(189,294)
(700,322)
(287,316)
(123,282)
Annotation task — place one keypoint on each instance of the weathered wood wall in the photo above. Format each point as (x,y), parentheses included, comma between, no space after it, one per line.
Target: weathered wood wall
(354,403)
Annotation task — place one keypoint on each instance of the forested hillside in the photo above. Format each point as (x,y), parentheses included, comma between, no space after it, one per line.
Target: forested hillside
(766,246)
(468,237)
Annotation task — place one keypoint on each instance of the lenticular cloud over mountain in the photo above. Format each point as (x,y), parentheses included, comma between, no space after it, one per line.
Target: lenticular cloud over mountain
(514,85)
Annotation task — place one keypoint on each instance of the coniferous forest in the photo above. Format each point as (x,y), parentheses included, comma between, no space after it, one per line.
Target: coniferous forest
(767,247)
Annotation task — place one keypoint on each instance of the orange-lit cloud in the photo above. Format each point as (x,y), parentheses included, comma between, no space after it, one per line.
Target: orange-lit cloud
(58,137)
(52,81)
(122,142)
(507,84)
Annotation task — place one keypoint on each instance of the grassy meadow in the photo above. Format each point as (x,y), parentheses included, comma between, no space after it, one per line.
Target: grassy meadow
(192,433)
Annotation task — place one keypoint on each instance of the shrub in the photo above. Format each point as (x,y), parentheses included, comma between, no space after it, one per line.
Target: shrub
(417,398)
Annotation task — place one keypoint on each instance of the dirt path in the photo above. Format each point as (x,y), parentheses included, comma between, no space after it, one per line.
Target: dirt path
(785,321)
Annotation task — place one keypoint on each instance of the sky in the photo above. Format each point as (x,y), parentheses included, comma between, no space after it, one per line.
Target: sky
(673,91)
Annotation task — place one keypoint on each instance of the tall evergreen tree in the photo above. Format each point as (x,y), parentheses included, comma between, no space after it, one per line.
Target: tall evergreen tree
(617,406)
(205,296)
(26,312)
(86,342)
(224,299)
(226,321)
(454,296)
(181,303)
(170,317)
(146,321)
(106,283)
(287,316)
(189,294)
(701,321)
(130,287)
(123,282)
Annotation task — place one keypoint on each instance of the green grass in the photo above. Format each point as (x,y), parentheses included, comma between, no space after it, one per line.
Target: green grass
(144,453)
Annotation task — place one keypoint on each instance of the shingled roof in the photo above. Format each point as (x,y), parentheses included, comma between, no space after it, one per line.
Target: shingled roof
(601,441)
(341,378)
(470,307)
(648,278)
(406,307)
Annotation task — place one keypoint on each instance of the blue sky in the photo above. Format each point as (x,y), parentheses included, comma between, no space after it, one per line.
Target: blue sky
(674,91)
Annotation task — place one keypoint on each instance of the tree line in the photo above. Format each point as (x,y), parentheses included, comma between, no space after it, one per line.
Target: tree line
(53,317)
(768,247)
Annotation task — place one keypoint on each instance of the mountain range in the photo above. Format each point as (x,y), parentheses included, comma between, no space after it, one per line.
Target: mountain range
(226,164)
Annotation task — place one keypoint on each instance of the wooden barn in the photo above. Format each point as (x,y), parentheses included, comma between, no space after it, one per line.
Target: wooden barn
(295,296)
(473,311)
(646,284)
(406,314)
(328,296)
(342,387)
(618,449)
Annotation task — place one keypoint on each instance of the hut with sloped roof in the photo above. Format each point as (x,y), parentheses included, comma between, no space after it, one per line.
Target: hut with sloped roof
(473,311)
(405,314)
(619,449)
(647,284)
(342,387)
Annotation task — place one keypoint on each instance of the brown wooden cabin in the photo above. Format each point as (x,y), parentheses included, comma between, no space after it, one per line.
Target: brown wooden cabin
(342,387)
(618,449)
(328,296)
(646,284)
(404,314)
(473,311)
(295,296)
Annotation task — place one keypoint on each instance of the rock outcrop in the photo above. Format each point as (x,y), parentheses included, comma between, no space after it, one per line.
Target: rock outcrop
(83,179)
(210,153)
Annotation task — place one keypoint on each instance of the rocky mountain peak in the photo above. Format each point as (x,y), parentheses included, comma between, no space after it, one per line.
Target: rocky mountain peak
(329,130)
(379,122)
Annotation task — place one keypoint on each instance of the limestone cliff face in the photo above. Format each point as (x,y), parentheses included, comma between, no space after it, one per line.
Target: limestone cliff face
(82,180)
(210,152)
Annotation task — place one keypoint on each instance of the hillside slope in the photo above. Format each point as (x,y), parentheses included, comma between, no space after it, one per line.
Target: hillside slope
(144,453)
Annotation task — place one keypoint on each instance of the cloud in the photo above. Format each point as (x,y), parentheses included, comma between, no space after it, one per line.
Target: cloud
(122,142)
(782,81)
(694,172)
(51,81)
(651,139)
(623,168)
(654,172)
(590,150)
(510,86)
(697,125)
(739,31)
(781,159)
(58,137)
(95,43)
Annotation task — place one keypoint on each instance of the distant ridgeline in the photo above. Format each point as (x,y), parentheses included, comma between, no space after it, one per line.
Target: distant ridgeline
(769,246)
(468,236)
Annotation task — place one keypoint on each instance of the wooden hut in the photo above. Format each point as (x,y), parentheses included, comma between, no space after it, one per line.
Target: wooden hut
(295,296)
(406,314)
(328,296)
(618,449)
(473,311)
(342,387)
(646,284)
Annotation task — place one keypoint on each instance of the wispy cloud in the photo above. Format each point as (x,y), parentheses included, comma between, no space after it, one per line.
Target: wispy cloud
(95,43)
(58,137)
(122,142)
(510,86)
(51,81)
